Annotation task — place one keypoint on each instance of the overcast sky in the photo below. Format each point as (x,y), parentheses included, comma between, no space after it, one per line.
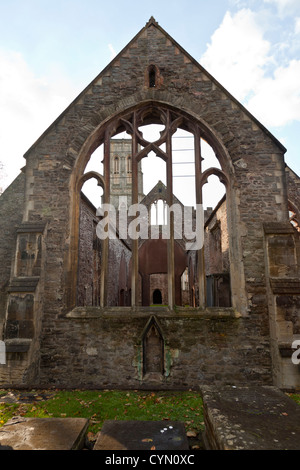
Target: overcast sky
(51,49)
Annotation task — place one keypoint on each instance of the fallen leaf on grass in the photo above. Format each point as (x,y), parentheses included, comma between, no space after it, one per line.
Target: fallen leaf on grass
(147,440)
(191,434)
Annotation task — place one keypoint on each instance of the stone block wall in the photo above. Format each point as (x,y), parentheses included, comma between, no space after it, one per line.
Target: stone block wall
(89,349)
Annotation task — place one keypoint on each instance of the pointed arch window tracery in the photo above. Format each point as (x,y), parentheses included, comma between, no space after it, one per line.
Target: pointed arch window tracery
(132,123)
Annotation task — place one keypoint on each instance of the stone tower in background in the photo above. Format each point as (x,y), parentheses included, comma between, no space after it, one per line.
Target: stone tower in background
(121,173)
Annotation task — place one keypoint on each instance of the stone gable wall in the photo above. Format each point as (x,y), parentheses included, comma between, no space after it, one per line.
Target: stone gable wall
(254,165)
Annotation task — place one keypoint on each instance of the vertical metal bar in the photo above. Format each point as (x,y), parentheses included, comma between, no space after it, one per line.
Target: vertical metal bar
(105,242)
(200,253)
(135,243)
(170,242)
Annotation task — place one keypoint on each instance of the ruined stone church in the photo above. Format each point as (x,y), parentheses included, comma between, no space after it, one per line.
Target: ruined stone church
(142,312)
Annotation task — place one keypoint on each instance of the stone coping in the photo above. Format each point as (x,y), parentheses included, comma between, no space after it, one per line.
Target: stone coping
(18,344)
(179,312)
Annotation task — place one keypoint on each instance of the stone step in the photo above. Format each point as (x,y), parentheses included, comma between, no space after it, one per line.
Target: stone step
(43,434)
(250,418)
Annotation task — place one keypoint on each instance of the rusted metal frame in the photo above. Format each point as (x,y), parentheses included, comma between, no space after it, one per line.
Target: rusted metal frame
(106,198)
(170,242)
(137,138)
(200,252)
(135,242)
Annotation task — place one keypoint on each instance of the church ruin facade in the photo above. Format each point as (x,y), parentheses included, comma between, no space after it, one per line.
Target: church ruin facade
(153,311)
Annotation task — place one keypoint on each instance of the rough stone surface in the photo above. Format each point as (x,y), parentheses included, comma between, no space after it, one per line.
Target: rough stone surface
(250,418)
(43,434)
(200,347)
(142,435)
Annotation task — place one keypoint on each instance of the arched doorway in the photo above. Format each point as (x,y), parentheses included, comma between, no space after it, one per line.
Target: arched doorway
(157,297)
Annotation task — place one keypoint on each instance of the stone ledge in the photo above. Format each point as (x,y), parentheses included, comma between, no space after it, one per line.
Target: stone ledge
(31,227)
(275,228)
(84,313)
(285,285)
(23,284)
(285,349)
(17,345)
(250,418)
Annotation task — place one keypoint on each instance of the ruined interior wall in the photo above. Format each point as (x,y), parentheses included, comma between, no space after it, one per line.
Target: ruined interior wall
(11,213)
(89,267)
(216,242)
(117,249)
(89,254)
(159,281)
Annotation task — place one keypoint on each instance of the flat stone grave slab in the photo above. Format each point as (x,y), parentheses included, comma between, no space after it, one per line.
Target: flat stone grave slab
(142,435)
(250,418)
(43,434)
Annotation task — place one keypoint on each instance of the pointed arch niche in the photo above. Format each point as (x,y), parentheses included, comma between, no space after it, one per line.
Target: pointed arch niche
(201,138)
(153,349)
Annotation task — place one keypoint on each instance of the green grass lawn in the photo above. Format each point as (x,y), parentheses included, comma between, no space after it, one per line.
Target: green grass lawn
(295,396)
(101,405)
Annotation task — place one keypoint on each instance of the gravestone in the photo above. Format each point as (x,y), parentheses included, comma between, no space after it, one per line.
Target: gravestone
(142,435)
(43,434)
(250,418)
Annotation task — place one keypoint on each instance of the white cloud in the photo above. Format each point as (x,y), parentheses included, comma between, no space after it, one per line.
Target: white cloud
(237,56)
(285,7)
(112,51)
(297,25)
(28,105)
(277,100)
(237,53)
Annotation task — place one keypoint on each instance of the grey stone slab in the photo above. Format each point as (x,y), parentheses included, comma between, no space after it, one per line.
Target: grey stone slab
(142,435)
(43,434)
(250,418)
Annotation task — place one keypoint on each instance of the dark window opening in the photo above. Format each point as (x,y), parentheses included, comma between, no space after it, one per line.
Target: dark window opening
(152,77)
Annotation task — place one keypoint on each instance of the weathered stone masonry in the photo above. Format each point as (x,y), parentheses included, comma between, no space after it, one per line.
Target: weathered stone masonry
(51,340)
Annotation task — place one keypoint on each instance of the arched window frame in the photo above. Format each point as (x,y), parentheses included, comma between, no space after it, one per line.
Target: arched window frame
(153,78)
(116,165)
(129,164)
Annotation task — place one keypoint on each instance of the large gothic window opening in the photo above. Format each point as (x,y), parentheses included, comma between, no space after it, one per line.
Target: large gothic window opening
(160,160)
